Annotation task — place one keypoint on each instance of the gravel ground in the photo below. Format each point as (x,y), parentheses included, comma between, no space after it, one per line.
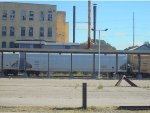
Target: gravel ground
(68,92)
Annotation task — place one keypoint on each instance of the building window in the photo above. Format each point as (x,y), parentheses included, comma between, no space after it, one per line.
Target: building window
(4,14)
(16,45)
(50,32)
(50,16)
(37,46)
(12,31)
(23,31)
(31,15)
(3,44)
(42,15)
(23,15)
(3,30)
(11,45)
(30,31)
(12,15)
(41,31)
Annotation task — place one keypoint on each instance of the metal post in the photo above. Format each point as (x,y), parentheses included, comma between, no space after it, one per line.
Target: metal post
(139,76)
(116,63)
(84,95)
(71,68)
(25,65)
(99,52)
(94,65)
(2,65)
(48,64)
(116,71)
(99,76)
(139,63)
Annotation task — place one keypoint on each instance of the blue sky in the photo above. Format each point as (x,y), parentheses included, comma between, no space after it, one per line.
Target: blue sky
(117,16)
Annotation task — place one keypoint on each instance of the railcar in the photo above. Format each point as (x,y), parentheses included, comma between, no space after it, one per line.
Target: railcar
(144,65)
(36,63)
(10,63)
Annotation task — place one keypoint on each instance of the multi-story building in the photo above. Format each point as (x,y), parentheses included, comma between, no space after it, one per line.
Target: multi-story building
(31,22)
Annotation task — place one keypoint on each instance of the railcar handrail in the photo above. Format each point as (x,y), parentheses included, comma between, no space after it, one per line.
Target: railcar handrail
(84,51)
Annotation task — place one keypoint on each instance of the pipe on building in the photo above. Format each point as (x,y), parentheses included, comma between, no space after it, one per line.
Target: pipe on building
(94,21)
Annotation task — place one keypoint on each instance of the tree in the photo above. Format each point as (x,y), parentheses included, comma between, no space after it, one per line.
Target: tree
(103,45)
(147,43)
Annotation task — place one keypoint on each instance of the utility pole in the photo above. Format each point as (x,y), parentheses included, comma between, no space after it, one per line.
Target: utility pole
(89,24)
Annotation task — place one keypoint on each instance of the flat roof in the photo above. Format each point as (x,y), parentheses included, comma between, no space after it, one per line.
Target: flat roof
(46,43)
(84,51)
(16,2)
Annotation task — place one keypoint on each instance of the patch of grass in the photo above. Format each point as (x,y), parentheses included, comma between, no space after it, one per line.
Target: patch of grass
(78,74)
(76,86)
(100,86)
(61,74)
(48,109)
(146,87)
(93,108)
(101,109)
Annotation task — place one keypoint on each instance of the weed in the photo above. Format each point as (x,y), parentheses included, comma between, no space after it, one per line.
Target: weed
(146,87)
(100,86)
(93,108)
(76,86)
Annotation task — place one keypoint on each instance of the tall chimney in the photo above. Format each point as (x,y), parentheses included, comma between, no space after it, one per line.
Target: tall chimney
(74,22)
(94,22)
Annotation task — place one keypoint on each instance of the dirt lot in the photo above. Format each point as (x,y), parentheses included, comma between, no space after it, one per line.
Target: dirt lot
(68,92)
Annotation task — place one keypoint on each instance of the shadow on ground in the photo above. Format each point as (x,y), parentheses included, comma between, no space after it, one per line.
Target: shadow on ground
(133,108)
(68,108)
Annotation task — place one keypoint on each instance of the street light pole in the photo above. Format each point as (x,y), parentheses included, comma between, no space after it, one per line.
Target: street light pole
(99,63)
(99,76)
(99,56)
